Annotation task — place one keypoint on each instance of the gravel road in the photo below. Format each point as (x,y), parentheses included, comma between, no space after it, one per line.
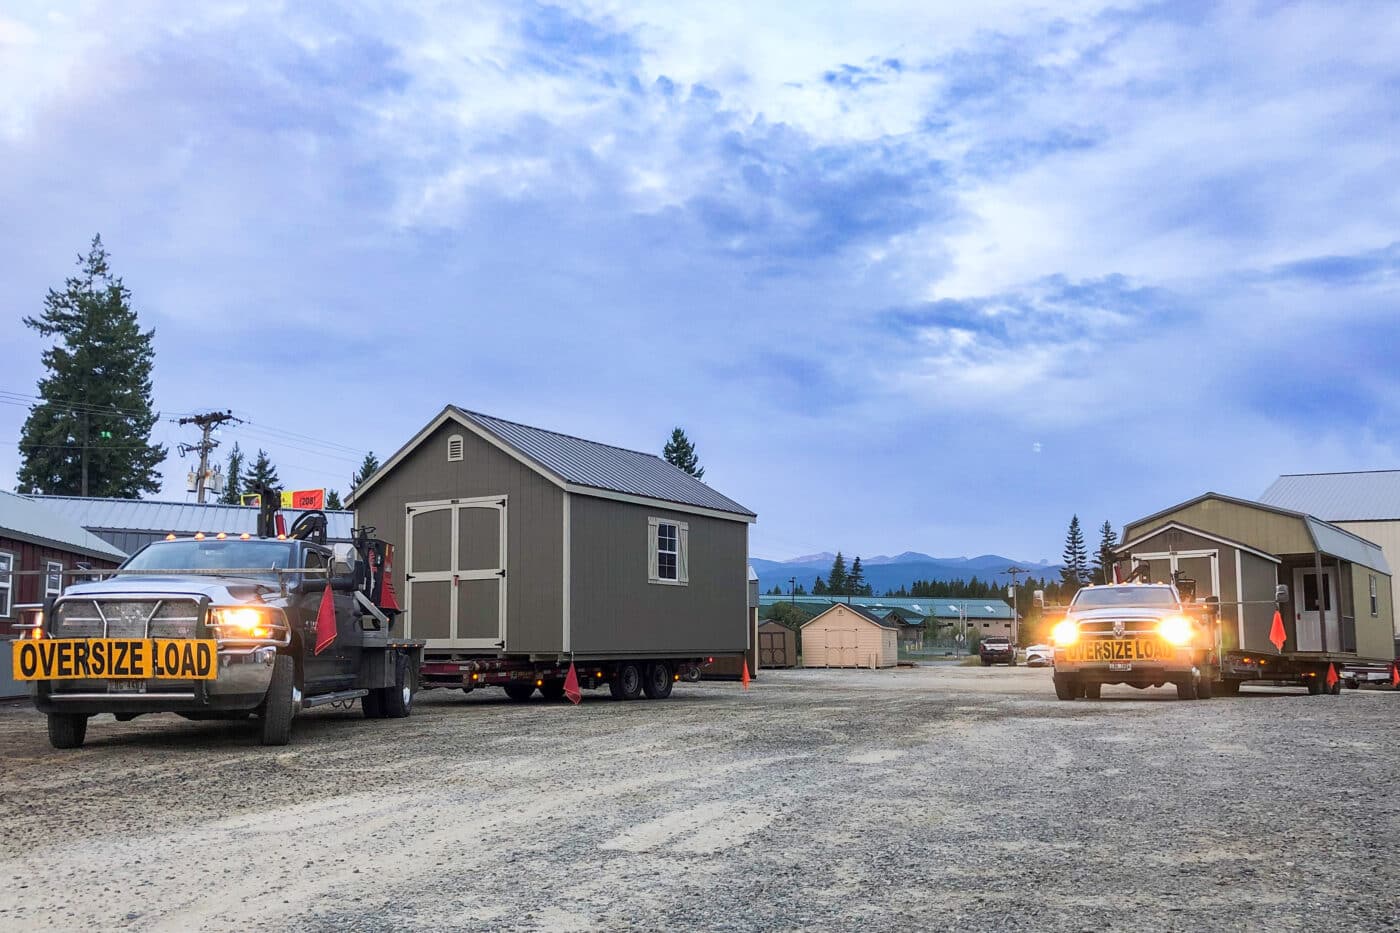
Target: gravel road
(938,797)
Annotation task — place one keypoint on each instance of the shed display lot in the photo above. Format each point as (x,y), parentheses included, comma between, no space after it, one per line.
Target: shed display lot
(959,798)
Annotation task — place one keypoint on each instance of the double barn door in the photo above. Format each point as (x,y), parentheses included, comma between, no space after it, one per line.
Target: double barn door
(456,575)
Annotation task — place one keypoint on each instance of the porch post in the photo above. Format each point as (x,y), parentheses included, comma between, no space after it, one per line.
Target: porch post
(1321,601)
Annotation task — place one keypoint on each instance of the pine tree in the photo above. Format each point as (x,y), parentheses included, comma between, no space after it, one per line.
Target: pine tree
(91,433)
(333,499)
(368,467)
(836,578)
(680,452)
(855,580)
(1075,572)
(1104,557)
(233,477)
(263,474)
(819,587)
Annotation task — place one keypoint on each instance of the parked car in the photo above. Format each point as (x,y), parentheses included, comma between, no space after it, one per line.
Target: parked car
(1040,656)
(997,649)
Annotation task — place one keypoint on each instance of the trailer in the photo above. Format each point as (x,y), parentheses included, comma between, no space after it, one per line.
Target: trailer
(525,551)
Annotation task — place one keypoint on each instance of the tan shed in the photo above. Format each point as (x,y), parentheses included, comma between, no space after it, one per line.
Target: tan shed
(777,645)
(849,636)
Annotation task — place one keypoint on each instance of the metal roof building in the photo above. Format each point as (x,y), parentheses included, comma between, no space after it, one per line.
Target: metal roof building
(24,518)
(938,607)
(131,524)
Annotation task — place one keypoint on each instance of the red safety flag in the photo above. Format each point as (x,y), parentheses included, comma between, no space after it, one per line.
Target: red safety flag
(325,621)
(571,689)
(1332,677)
(1395,675)
(744,678)
(1276,634)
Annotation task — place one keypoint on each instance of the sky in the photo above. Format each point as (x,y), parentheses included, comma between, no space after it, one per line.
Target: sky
(911,276)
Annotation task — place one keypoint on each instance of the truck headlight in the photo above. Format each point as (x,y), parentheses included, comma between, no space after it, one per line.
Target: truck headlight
(1175,630)
(1065,633)
(244,621)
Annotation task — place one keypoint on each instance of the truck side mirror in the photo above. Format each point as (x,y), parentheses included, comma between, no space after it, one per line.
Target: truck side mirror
(1281,593)
(344,582)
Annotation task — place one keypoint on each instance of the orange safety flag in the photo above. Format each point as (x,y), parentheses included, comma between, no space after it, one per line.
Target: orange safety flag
(325,621)
(571,689)
(1332,677)
(744,678)
(1395,675)
(1276,634)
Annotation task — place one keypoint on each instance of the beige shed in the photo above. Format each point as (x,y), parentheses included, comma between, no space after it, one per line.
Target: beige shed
(849,636)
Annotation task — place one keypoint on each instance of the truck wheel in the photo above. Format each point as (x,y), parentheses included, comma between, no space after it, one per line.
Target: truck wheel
(986,663)
(373,705)
(1205,686)
(398,699)
(1186,689)
(552,690)
(67,730)
(658,681)
(277,705)
(1228,688)
(1314,686)
(1335,690)
(627,682)
(520,692)
(1066,686)
(1093,691)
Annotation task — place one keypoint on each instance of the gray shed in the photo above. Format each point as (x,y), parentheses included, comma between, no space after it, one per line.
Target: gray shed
(517,540)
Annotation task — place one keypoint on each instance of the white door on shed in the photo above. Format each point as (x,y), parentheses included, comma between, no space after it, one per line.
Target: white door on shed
(1315,605)
(457,572)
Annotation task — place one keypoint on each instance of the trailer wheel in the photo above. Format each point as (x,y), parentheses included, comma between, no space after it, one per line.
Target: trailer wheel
(658,681)
(1066,686)
(1205,687)
(398,699)
(1334,690)
(520,692)
(277,705)
(1186,689)
(1314,687)
(67,730)
(627,682)
(1093,691)
(552,690)
(1228,688)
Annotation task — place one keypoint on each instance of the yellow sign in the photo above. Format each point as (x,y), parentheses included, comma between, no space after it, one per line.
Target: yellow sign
(115,659)
(1117,649)
(299,499)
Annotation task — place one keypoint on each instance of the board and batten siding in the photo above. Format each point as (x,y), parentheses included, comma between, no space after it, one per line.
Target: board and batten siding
(614,609)
(1387,535)
(534,521)
(840,637)
(1285,534)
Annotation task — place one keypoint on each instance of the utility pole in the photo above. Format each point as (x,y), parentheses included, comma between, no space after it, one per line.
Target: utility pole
(207,422)
(1014,572)
(792,590)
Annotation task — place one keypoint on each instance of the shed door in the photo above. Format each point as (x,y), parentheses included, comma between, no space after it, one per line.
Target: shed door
(1315,605)
(457,573)
(772,649)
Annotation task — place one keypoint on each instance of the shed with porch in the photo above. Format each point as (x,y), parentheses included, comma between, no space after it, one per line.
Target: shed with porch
(850,635)
(1238,550)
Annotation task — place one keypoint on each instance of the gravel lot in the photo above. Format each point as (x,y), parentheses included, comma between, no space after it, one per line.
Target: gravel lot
(944,797)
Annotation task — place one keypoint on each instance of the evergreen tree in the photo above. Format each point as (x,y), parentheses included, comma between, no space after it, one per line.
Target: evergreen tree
(819,587)
(333,499)
(800,591)
(680,452)
(855,580)
(836,578)
(233,477)
(1075,572)
(90,435)
(368,467)
(263,474)
(1103,558)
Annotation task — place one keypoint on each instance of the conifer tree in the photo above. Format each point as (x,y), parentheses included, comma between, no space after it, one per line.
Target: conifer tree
(1075,572)
(233,477)
(819,587)
(836,578)
(1103,558)
(368,467)
(680,452)
(333,499)
(263,474)
(855,580)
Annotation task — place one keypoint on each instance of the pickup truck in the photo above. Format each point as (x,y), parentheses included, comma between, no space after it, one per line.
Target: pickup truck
(222,627)
(996,649)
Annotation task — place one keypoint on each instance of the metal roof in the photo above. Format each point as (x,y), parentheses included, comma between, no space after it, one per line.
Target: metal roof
(176,517)
(938,607)
(602,466)
(1339,497)
(862,611)
(23,517)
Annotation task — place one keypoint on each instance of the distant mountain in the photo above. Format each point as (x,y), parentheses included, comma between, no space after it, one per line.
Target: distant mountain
(893,572)
(905,558)
(825,557)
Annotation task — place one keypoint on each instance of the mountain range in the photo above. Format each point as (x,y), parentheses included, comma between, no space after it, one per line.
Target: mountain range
(883,572)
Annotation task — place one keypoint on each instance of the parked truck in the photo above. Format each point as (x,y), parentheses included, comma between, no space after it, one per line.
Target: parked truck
(219,626)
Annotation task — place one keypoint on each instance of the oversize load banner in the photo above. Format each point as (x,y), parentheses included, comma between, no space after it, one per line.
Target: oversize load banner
(1117,649)
(114,659)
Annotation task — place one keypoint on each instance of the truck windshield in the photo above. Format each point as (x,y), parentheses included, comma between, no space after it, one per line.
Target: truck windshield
(1110,597)
(214,555)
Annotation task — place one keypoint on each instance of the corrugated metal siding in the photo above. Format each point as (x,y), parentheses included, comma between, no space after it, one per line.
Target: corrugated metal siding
(588,463)
(30,518)
(534,516)
(110,518)
(1337,497)
(616,612)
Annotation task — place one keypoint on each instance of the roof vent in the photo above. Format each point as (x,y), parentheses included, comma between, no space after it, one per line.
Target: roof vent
(454,448)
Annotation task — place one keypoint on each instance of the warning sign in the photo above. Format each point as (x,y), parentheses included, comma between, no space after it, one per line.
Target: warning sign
(299,499)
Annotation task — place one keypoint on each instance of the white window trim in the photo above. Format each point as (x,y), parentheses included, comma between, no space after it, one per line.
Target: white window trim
(459,444)
(51,567)
(7,586)
(682,552)
(1375,597)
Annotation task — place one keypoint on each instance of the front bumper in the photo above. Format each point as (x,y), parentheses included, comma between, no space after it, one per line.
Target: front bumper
(244,675)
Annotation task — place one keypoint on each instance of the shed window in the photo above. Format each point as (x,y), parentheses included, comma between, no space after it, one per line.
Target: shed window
(53,578)
(454,448)
(7,564)
(1375,601)
(668,551)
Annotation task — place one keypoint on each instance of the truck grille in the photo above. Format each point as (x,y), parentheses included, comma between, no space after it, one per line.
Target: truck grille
(126,618)
(1130,627)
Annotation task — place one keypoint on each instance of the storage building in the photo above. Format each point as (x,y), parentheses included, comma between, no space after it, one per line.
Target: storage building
(777,645)
(849,635)
(519,540)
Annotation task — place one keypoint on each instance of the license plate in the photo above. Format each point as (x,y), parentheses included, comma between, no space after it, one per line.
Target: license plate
(113,659)
(126,686)
(1121,650)
(1119,666)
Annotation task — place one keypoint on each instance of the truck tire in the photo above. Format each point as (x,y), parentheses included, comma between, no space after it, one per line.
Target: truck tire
(520,692)
(986,663)
(658,682)
(1186,689)
(1314,686)
(1093,691)
(67,730)
(277,705)
(373,705)
(1205,686)
(1066,686)
(1228,688)
(626,684)
(398,699)
(552,690)
(1334,690)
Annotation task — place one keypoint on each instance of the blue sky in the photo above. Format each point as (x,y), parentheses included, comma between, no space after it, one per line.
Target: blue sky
(911,279)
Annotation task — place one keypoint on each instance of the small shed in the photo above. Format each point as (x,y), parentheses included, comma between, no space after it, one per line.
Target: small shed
(849,636)
(777,645)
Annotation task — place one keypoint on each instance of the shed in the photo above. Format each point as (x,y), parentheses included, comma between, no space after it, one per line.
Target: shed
(1238,550)
(519,540)
(777,645)
(849,635)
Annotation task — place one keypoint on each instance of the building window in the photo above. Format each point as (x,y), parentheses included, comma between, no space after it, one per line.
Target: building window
(7,564)
(667,551)
(454,448)
(53,578)
(1375,601)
